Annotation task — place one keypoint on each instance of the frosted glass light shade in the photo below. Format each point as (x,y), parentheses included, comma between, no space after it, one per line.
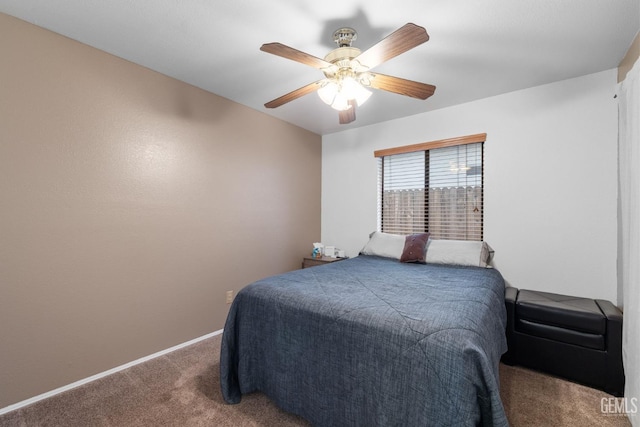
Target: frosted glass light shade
(339,95)
(328,92)
(362,95)
(340,102)
(354,90)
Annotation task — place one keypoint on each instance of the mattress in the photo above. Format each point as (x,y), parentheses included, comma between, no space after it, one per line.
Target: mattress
(371,341)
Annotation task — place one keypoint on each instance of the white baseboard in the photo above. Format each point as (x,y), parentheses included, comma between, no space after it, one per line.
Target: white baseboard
(103,374)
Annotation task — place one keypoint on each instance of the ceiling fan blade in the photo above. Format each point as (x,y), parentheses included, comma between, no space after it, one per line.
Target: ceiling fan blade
(405,38)
(295,55)
(311,87)
(349,115)
(402,86)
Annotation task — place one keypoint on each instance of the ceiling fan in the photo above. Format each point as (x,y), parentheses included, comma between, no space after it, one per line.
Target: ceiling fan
(347,70)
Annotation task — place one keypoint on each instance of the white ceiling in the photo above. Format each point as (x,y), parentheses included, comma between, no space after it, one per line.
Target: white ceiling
(477,48)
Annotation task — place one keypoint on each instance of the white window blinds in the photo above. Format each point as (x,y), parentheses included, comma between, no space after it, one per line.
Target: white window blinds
(437,190)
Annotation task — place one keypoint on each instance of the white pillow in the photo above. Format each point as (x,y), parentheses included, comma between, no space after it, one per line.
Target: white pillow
(458,252)
(384,244)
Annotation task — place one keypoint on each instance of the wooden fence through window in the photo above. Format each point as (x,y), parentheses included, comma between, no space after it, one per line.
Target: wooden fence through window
(453,213)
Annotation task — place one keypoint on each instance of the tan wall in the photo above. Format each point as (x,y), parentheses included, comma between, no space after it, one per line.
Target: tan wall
(629,59)
(129,204)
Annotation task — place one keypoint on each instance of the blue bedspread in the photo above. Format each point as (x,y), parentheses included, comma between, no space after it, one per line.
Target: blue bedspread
(370,341)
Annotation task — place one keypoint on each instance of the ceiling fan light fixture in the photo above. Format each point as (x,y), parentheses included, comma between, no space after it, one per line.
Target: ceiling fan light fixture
(340,102)
(354,90)
(338,94)
(328,92)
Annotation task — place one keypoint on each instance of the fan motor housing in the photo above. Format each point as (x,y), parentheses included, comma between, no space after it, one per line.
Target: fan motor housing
(342,54)
(342,58)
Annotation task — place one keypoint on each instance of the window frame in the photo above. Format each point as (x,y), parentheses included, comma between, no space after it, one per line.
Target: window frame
(426,147)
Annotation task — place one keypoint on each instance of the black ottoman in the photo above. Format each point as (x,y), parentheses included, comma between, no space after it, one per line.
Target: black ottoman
(579,339)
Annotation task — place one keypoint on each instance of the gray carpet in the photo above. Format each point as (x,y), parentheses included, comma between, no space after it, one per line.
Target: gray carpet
(183,389)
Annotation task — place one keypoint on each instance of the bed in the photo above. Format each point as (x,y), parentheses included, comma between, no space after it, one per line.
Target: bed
(371,341)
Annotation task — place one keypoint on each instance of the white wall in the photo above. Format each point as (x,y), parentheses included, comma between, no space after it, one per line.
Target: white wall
(550,181)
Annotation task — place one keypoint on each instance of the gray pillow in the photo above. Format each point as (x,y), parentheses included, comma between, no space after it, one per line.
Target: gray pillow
(384,244)
(458,252)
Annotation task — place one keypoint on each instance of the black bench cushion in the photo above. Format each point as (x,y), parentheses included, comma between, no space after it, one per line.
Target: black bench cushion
(561,311)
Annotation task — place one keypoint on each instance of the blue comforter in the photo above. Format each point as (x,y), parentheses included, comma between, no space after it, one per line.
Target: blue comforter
(371,341)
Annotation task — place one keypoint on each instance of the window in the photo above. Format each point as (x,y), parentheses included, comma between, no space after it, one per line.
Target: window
(434,187)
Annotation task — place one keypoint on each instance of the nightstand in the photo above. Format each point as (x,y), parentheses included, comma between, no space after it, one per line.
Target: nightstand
(312,262)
